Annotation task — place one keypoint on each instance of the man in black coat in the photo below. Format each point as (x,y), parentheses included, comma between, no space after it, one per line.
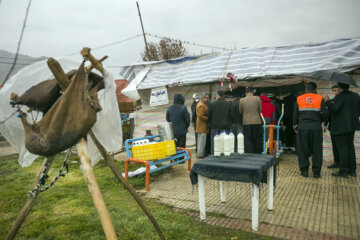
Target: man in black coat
(345,111)
(336,164)
(219,116)
(179,117)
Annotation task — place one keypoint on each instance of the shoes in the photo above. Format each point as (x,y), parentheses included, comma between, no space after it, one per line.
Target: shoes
(352,174)
(316,176)
(339,174)
(305,174)
(334,165)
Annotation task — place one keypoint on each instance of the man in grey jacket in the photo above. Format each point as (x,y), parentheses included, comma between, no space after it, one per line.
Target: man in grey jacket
(250,109)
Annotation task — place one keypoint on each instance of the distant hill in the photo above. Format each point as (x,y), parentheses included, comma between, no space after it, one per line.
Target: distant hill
(7,59)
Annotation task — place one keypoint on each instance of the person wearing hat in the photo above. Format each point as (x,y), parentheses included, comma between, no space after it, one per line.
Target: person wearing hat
(219,116)
(328,125)
(250,109)
(345,112)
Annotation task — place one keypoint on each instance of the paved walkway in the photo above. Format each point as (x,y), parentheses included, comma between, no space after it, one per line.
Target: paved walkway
(304,208)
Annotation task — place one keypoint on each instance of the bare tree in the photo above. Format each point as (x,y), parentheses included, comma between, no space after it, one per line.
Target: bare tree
(164,50)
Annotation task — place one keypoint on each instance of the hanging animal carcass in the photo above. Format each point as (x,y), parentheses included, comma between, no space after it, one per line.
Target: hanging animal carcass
(67,120)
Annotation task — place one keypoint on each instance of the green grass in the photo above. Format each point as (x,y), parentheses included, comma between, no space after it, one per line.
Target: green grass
(66,211)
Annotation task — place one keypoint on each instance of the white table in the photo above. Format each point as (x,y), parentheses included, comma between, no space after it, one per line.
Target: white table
(261,165)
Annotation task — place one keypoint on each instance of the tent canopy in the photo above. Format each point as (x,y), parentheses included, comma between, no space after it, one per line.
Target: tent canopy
(342,55)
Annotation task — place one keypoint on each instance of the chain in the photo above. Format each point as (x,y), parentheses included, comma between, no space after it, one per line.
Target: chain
(40,186)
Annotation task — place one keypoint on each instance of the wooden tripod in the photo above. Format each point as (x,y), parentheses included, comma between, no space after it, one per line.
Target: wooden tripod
(88,173)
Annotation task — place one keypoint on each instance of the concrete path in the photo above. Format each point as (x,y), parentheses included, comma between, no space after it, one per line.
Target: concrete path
(304,208)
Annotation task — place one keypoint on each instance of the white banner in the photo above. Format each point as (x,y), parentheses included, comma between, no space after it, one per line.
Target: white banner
(159,96)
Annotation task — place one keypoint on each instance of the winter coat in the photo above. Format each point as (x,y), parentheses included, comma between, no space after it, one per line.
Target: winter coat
(178,115)
(250,109)
(345,111)
(267,109)
(220,114)
(202,119)
(193,111)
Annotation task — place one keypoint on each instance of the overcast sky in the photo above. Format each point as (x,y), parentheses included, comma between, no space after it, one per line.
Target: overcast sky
(61,27)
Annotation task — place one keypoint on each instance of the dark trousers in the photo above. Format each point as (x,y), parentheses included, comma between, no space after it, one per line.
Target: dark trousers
(208,144)
(309,142)
(335,150)
(194,124)
(181,140)
(345,144)
(289,134)
(213,132)
(253,138)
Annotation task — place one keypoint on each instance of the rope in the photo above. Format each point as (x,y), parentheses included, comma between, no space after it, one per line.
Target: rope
(40,186)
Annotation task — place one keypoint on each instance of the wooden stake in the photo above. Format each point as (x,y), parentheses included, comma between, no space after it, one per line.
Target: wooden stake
(110,162)
(95,191)
(44,169)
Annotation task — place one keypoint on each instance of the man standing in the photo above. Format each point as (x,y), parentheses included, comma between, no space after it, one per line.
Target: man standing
(250,109)
(335,92)
(219,116)
(179,117)
(345,110)
(202,128)
(193,115)
(309,113)
(289,102)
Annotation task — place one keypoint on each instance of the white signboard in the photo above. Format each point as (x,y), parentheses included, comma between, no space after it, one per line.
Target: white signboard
(159,96)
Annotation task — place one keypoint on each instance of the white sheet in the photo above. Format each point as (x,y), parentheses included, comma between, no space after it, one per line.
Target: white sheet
(107,128)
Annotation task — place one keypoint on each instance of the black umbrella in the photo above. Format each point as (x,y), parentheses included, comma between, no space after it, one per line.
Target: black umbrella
(333,76)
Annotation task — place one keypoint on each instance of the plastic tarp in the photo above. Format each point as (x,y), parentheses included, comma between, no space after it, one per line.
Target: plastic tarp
(130,91)
(107,128)
(340,54)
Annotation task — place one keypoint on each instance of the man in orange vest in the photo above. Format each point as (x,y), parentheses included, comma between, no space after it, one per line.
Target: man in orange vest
(309,113)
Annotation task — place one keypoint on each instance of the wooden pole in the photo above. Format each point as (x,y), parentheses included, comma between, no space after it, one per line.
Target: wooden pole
(110,162)
(142,27)
(44,169)
(95,191)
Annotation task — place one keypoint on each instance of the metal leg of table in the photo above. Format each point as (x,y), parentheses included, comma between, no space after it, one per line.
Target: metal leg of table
(222,192)
(270,195)
(255,207)
(201,190)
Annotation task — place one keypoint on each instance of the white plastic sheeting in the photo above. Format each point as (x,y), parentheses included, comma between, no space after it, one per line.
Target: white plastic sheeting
(107,129)
(130,91)
(340,54)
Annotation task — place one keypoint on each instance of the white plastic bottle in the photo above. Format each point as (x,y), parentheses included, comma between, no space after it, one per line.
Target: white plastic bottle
(217,151)
(222,135)
(227,145)
(232,142)
(240,143)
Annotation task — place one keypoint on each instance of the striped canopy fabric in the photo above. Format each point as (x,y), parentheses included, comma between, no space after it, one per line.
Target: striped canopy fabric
(341,54)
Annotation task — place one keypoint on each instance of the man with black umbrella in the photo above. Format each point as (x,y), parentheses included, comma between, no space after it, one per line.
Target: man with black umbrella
(345,111)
